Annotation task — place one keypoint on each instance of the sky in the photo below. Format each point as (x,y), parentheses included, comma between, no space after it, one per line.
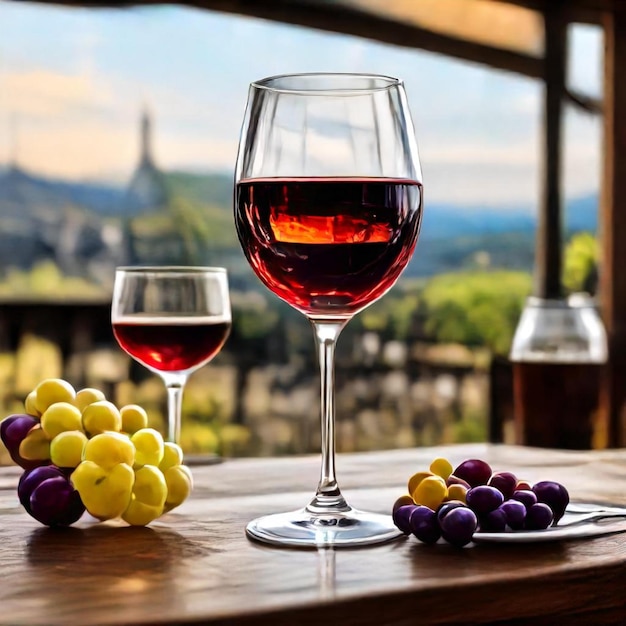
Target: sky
(73,83)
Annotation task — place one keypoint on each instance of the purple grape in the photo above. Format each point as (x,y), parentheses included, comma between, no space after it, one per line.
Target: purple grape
(54,502)
(504,482)
(31,479)
(526,497)
(474,471)
(401,517)
(554,495)
(424,525)
(446,507)
(484,499)
(494,521)
(514,513)
(459,525)
(402,501)
(13,429)
(455,480)
(538,517)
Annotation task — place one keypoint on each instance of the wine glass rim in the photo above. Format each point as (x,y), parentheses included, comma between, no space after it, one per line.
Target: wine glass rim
(272,83)
(172,269)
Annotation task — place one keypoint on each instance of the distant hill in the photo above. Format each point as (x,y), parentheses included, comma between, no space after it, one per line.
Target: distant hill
(28,190)
(581,213)
(441,221)
(452,236)
(213,189)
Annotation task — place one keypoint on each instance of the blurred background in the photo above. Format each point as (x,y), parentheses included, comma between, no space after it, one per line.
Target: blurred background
(118,138)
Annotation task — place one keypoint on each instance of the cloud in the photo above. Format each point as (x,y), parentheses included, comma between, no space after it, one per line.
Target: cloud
(85,126)
(45,94)
(77,82)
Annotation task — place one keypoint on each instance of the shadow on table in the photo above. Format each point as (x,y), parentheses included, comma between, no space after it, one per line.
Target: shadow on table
(105,550)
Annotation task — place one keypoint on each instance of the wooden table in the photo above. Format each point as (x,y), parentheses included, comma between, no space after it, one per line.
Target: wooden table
(195,565)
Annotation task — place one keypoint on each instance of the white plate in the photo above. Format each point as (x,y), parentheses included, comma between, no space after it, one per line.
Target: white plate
(581,520)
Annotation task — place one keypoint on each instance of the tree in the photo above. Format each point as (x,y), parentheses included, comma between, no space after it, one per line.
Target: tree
(476,308)
(580,266)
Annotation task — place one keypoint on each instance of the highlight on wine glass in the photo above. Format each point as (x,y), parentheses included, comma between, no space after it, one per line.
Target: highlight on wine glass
(172,320)
(328,207)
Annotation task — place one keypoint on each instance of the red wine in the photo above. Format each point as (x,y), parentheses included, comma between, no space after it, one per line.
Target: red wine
(328,246)
(171,344)
(556,405)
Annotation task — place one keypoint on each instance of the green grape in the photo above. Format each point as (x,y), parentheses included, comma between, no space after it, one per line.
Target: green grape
(148,497)
(59,417)
(109,449)
(66,449)
(88,396)
(139,514)
(172,455)
(35,446)
(30,406)
(52,390)
(134,418)
(105,492)
(150,486)
(101,416)
(149,446)
(179,485)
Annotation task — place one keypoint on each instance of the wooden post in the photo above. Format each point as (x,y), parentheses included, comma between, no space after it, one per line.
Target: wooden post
(548,249)
(613,225)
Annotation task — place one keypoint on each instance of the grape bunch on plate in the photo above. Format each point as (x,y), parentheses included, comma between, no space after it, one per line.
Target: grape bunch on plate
(454,503)
(80,452)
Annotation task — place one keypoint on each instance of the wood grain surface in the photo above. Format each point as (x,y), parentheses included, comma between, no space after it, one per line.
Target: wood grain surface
(195,565)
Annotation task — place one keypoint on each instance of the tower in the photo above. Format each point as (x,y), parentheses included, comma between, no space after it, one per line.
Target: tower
(147,190)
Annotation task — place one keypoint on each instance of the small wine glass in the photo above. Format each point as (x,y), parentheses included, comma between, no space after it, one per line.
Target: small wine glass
(328,206)
(172,320)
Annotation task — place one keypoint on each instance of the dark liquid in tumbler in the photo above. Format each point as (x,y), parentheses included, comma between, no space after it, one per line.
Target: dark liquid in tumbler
(556,405)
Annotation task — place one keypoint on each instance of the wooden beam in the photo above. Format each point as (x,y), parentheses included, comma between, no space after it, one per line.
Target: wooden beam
(345,19)
(548,249)
(335,17)
(580,11)
(613,226)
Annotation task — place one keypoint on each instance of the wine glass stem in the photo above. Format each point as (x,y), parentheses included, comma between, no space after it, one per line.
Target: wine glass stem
(328,496)
(175,384)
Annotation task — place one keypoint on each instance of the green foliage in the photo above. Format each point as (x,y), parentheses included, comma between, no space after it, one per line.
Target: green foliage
(472,428)
(46,281)
(476,308)
(190,225)
(393,313)
(205,232)
(204,189)
(253,316)
(513,251)
(580,263)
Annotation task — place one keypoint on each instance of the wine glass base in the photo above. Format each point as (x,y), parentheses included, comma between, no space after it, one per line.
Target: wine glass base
(333,529)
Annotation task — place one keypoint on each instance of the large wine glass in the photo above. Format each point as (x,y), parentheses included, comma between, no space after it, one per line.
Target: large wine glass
(172,320)
(328,205)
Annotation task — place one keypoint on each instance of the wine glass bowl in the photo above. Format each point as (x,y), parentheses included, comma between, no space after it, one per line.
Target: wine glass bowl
(172,320)
(328,246)
(328,207)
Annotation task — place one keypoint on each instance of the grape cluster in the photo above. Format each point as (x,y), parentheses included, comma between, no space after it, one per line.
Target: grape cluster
(80,452)
(454,503)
